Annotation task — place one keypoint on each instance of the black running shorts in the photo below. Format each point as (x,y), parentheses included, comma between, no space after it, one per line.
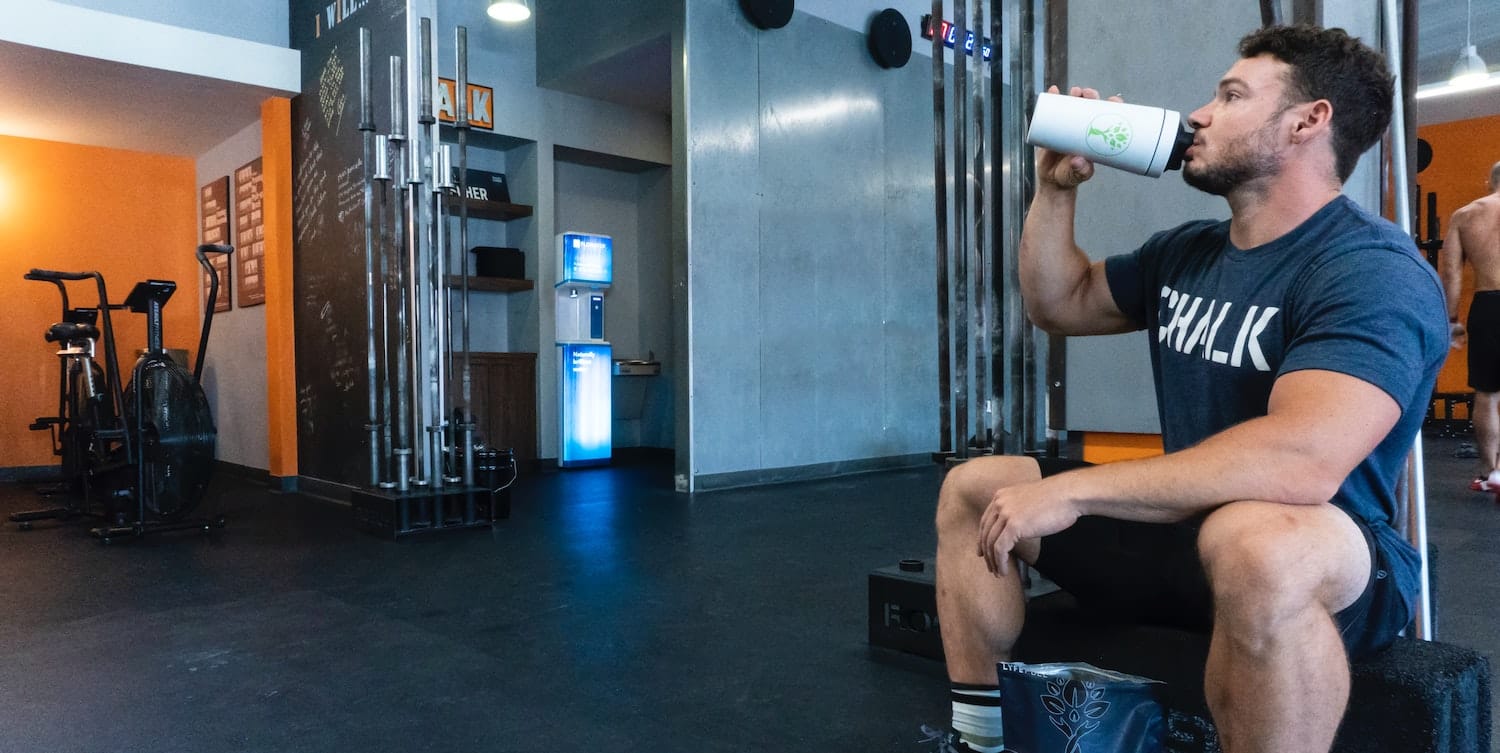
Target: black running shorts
(1484,341)
(1150,573)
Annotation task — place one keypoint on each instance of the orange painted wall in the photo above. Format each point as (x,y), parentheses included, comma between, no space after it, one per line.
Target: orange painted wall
(281,350)
(1462,153)
(129,215)
(1107,447)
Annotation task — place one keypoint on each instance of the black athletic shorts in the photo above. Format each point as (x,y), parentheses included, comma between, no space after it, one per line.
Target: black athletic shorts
(1150,573)
(1484,341)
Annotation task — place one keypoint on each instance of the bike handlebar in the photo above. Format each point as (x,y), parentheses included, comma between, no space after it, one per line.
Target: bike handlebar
(214,248)
(213,298)
(54,276)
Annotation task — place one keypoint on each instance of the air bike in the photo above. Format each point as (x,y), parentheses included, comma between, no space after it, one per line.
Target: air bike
(137,456)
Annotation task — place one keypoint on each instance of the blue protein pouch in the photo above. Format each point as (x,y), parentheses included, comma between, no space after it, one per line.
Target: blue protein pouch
(1079,708)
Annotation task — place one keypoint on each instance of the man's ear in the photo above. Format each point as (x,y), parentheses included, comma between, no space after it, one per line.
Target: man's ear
(1315,119)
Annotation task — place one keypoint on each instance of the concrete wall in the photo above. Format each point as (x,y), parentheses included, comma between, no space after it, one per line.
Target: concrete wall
(1108,380)
(234,374)
(804,182)
(578,35)
(263,21)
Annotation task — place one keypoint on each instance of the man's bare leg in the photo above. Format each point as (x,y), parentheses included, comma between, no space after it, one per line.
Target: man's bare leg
(979,615)
(1277,676)
(1487,430)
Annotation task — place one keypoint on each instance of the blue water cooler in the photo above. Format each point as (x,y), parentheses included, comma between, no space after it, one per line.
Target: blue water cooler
(585,264)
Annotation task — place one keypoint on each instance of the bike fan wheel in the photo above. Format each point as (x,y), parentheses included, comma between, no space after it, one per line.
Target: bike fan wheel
(177,436)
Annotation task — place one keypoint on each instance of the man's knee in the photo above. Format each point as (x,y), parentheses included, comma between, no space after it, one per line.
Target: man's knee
(1252,569)
(969,486)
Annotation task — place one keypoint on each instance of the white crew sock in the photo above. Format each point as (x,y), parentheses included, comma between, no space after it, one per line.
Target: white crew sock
(976,717)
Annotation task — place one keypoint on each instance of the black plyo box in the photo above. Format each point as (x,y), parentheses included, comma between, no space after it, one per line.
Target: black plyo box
(903,611)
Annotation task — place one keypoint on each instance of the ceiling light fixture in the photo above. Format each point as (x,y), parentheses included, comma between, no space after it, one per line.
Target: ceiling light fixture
(510,11)
(1470,69)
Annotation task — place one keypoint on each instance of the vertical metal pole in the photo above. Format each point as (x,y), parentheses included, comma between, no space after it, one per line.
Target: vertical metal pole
(1308,12)
(960,323)
(1270,12)
(383,176)
(980,257)
(1009,339)
(435,344)
(424,387)
(402,450)
(462,122)
(415,232)
(940,196)
(367,130)
(1055,71)
(1415,483)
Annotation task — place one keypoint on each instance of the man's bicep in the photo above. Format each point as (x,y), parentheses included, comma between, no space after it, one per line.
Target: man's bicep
(1339,417)
(1453,245)
(1103,310)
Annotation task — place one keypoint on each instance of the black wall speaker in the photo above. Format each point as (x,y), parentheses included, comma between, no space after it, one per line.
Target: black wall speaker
(768,14)
(890,39)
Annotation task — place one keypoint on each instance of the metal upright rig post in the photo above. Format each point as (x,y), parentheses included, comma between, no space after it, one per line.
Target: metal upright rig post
(462,123)
(940,190)
(367,132)
(382,174)
(402,452)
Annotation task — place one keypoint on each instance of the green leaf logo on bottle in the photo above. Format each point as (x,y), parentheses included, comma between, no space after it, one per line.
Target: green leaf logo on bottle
(1108,135)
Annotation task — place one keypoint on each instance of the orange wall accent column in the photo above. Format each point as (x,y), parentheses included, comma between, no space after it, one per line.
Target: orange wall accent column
(1462,153)
(130,216)
(1107,447)
(281,355)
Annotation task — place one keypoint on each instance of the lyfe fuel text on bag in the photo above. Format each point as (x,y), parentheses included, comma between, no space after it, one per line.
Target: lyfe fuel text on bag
(1134,138)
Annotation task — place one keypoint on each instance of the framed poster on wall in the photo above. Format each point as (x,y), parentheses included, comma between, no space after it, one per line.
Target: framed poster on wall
(213,204)
(250,235)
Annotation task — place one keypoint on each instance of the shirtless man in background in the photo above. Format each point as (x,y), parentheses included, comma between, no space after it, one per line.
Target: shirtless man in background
(1474,236)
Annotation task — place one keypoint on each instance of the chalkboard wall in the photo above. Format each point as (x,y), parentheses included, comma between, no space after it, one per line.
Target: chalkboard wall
(328,225)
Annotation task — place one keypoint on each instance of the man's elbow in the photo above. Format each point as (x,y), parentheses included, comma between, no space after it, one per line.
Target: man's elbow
(1045,321)
(1313,486)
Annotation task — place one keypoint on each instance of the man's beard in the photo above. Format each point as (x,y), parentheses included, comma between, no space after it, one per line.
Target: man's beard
(1247,163)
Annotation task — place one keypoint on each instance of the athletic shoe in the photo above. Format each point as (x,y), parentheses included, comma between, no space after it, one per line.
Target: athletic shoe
(1491,484)
(943,740)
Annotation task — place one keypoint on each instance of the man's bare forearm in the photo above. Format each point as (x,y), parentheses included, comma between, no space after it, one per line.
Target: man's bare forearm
(1299,454)
(1453,265)
(1228,467)
(1053,270)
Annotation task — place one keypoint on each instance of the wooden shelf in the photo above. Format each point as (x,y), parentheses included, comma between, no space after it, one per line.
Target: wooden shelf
(491,284)
(489,210)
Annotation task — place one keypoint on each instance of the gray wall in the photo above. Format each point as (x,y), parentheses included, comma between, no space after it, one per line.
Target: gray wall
(595,32)
(1109,386)
(263,21)
(804,179)
(234,374)
(489,312)
(1108,380)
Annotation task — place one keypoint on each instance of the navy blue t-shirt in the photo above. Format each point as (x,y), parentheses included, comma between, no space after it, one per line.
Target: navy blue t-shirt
(1345,291)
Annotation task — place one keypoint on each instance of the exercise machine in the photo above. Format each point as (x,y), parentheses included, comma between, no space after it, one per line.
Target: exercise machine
(137,455)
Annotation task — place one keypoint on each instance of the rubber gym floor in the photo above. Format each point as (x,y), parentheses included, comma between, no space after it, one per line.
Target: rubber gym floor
(607,614)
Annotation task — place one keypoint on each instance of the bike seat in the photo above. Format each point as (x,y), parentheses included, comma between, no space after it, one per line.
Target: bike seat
(69,331)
